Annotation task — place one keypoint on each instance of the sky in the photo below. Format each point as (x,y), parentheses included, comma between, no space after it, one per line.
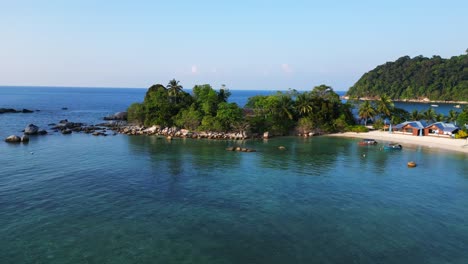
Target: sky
(272,45)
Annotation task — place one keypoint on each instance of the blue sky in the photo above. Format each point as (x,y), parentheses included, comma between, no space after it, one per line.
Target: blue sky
(244,44)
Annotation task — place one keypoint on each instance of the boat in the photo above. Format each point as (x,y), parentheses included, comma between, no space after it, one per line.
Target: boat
(456,106)
(434,105)
(393,146)
(411,164)
(367,142)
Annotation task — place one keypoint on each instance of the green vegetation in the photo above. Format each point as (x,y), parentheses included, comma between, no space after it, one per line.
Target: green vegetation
(416,78)
(205,109)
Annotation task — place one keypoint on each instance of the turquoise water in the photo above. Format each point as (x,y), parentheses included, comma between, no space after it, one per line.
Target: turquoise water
(122,199)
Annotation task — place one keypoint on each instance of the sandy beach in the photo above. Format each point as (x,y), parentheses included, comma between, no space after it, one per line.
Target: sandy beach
(432,142)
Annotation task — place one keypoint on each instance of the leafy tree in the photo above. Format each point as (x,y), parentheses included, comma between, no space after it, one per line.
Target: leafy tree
(228,114)
(136,113)
(462,118)
(189,118)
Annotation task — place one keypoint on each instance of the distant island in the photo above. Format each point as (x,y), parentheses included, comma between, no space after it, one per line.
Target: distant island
(416,79)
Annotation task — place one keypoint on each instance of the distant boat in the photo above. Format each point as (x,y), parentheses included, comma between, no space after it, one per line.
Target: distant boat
(456,106)
(393,146)
(367,141)
(434,105)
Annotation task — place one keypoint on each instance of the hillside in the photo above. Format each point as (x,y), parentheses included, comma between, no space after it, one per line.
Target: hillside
(435,78)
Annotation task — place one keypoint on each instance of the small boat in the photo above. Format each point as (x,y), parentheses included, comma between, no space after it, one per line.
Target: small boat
(367,141)
(393,146)
(411,164)
(456,106)
(434,105)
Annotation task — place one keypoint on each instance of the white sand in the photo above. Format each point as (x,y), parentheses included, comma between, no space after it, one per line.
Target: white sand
(433,142)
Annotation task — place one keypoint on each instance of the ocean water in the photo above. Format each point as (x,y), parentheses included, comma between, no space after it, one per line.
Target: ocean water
(141,199)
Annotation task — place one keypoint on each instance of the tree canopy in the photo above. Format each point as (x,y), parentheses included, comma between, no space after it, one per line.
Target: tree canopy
(280,113)
(416,78)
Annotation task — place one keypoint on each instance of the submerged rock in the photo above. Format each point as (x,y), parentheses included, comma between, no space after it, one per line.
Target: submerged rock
(13,139)
(25,138)
(31,129)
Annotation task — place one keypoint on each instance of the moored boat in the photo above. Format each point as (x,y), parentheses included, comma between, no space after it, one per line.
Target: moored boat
(367,141)
(456,106)
(393,146)
(434,105)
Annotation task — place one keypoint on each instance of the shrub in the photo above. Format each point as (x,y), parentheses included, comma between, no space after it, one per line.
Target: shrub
(357,129)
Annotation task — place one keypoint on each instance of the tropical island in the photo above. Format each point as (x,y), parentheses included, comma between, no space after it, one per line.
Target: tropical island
(205,109)
(416,79)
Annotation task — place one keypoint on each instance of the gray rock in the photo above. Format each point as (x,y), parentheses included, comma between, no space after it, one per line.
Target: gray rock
(13,139)
(66,131)
(25,138)
(117,116)
(31,129)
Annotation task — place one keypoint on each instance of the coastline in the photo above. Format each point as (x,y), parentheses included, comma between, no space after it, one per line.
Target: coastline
(422,101)
(432,142)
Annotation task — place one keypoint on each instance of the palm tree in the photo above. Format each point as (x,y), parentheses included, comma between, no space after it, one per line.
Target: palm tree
(429,115)
(174,89)
(303,104)
(385,106)
(440,117)
(366,111)
(415,115)
(452,116)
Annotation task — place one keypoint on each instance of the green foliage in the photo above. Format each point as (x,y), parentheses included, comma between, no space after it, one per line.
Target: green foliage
(462,118)
(206,109)
(414,78)
(228,114)
(378,124)
(366,111)
(461,134)
(357,129)
(189,118)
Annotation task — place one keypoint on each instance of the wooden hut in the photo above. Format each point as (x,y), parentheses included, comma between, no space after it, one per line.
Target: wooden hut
(440,129)
(414,128)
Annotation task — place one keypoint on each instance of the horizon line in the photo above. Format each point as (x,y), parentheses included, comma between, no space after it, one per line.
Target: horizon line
(109,87)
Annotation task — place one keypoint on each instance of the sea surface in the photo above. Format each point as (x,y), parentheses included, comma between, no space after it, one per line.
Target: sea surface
(142,199)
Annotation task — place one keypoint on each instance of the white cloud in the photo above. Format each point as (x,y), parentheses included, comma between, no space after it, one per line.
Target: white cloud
(286,68)
(194,69)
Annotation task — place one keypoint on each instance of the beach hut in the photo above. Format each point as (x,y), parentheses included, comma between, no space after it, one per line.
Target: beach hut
(440,129)
(414,128)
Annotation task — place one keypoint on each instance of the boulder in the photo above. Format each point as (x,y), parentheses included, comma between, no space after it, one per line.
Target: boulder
(13,139)
(31,129)
(26,111)
(117,116)
(25,138)
(42,132)
(7,110)
(66,131)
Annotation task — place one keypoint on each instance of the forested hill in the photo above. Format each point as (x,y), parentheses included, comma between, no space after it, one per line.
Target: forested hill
(416,78)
